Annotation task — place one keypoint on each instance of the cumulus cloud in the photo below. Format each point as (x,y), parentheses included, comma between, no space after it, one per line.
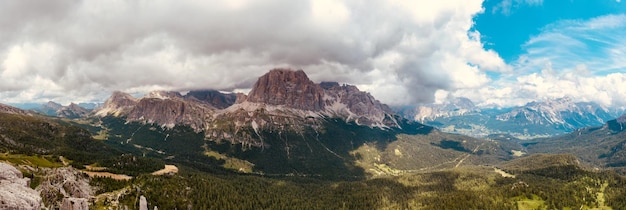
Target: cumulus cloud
(401,51)
(581,59)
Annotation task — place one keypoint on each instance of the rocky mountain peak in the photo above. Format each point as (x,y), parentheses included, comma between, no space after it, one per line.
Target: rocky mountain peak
(121,98)
(287,87)
(462,103)
(116,104)
(72,111)
(53,105)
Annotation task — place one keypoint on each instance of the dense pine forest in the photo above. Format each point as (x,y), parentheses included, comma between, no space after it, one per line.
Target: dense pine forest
(465,188)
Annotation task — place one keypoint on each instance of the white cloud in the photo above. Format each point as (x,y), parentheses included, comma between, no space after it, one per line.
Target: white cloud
(401,51)
(581,59)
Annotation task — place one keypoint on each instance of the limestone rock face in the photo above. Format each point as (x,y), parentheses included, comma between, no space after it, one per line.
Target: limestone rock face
(289,88)
(353,104)
(170,112)
(14,190)
(241,98)
(213,97)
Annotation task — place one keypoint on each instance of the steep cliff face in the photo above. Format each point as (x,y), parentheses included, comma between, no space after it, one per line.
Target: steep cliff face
(166,108)
(213,97)
(289,88)
(349,102)
(14,190)
(293,89)
(170,112)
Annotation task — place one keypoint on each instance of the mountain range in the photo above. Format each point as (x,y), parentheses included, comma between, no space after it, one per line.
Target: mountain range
(71,111)
(290,134)
(535,119)
(289,124)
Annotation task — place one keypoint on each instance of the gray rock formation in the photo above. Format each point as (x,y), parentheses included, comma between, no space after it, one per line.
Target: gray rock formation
(358,106)
(169,112)
(14,190)
(65,187)
(143,203)
(75,204)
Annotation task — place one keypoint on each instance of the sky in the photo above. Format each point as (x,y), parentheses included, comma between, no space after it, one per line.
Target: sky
(404,52)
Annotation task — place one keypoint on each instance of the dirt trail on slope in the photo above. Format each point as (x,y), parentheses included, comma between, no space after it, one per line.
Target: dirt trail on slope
(168,169)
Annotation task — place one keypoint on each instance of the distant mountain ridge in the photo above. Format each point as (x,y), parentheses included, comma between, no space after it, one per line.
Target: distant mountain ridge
(600,147)
(71,111)
(535,119)
(456,107)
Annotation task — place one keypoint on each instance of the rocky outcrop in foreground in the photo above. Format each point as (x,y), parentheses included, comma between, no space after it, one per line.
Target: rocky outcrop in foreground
(14,190)
(66,188)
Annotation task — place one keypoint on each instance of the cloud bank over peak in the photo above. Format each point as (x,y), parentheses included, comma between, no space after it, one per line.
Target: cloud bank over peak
(400,51)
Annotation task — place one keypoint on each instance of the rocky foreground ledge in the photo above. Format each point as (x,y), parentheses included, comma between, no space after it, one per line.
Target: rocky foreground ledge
(14,190)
